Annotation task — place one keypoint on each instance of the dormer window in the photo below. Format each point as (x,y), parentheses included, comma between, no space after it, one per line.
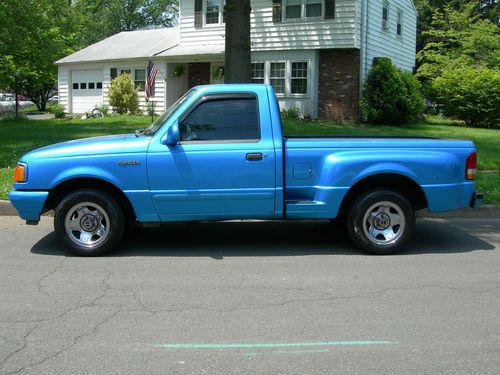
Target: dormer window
(303,9)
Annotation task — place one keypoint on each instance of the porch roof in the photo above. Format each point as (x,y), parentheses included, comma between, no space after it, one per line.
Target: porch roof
(127,45)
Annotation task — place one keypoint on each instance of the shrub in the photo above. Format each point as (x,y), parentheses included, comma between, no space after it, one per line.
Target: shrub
(390,96)
(123,95)
(57,109)
(471,94)
(103,108)
(290,114)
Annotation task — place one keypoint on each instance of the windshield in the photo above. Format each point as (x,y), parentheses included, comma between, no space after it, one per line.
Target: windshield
(158,123)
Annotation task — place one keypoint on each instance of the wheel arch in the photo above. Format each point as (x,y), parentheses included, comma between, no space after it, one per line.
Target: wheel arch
(61,190)
(402,184)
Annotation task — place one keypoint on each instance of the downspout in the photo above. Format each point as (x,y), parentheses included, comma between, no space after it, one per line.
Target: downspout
(361,48)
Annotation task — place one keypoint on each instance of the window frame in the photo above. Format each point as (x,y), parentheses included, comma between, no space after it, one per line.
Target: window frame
(399,23)
(136,80)
(303,17)
(221,96)
(278,94)
(288,76)
(222,4)
(300,78)
(385,22)
(263,78)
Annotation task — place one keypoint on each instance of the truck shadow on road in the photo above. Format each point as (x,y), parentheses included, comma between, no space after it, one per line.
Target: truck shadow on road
(276,238)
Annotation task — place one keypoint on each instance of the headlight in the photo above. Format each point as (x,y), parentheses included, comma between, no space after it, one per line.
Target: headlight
(20,173)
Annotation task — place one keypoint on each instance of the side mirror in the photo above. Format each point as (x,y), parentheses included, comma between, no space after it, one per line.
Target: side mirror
(173,135)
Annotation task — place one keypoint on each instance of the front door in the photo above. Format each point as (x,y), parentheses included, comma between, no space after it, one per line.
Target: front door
(223,167)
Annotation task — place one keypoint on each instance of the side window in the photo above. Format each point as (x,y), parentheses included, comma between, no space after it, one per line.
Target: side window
(222,120)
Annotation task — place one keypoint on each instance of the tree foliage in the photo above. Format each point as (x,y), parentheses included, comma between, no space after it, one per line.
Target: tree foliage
(123,96)
(103,18)
(458,38)
(34,34)
(391,96)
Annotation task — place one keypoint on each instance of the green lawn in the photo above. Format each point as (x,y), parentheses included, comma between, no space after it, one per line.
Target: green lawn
(17,138)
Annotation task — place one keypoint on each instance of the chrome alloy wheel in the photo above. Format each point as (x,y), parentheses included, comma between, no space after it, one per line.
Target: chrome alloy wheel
(384,223)
(87,224)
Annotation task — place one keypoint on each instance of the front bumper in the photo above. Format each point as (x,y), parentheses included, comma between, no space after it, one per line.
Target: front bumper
(29,204)
(477,200)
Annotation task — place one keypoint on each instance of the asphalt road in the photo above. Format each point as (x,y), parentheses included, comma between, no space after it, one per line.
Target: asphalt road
(248,298)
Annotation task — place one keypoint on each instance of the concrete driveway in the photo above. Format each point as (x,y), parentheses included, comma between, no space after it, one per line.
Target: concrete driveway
(254,297)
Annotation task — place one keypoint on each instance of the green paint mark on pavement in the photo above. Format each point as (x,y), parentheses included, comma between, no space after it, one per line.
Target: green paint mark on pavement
(274,345)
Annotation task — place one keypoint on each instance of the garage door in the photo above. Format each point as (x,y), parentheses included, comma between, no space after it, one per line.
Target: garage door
(86,90)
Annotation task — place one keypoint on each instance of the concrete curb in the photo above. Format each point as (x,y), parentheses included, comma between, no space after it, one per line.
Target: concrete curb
(485,212)
(6,209)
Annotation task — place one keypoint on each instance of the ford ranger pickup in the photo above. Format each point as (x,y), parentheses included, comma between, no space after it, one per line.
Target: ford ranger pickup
(218,153)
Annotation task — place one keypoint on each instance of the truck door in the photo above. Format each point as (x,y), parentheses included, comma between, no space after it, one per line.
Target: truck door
(224,166)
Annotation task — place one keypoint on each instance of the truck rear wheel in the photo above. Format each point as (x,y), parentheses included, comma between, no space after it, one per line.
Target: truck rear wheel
(381,222)
(89,222)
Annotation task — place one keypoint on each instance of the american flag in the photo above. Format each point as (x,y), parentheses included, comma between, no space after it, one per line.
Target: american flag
(150,80)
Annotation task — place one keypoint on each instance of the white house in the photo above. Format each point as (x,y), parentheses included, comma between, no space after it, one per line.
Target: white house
(316,53)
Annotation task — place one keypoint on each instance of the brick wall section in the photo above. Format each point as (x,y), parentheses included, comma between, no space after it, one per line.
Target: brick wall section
(338,90)
(198,74)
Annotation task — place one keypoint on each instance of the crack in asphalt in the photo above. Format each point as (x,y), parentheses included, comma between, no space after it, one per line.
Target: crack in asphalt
(20,349)
(41,288)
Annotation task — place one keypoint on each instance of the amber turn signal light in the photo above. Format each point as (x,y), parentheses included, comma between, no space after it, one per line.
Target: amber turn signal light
(19,173)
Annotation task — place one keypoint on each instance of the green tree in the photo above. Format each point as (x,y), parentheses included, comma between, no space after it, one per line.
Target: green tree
(123,96)
(34,34)
(458,38)
(103,18)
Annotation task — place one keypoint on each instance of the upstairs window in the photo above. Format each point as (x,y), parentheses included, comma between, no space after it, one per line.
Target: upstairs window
(314,8)
(303,9)
(214,12)
(399,27)
(385,16)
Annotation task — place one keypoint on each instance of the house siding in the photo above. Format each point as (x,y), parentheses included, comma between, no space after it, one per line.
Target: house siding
(380,43)
(339,32)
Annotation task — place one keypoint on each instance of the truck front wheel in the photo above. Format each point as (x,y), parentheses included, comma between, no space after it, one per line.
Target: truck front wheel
(89,222)
(381,222)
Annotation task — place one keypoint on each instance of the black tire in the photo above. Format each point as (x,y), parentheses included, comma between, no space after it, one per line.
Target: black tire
(94,210)
(385,209)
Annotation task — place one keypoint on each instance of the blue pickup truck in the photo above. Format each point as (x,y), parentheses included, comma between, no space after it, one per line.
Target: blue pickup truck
(219,153)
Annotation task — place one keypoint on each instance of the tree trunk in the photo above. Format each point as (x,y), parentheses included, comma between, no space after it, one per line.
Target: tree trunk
(237,56)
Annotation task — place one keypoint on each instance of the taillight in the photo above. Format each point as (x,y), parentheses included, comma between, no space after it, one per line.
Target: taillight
(470,166)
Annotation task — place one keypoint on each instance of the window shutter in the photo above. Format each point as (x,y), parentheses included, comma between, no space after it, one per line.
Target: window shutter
(198,13)
(329,9)
(277,10)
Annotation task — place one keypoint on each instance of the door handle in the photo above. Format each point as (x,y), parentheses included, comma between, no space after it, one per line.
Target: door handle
(256,156)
